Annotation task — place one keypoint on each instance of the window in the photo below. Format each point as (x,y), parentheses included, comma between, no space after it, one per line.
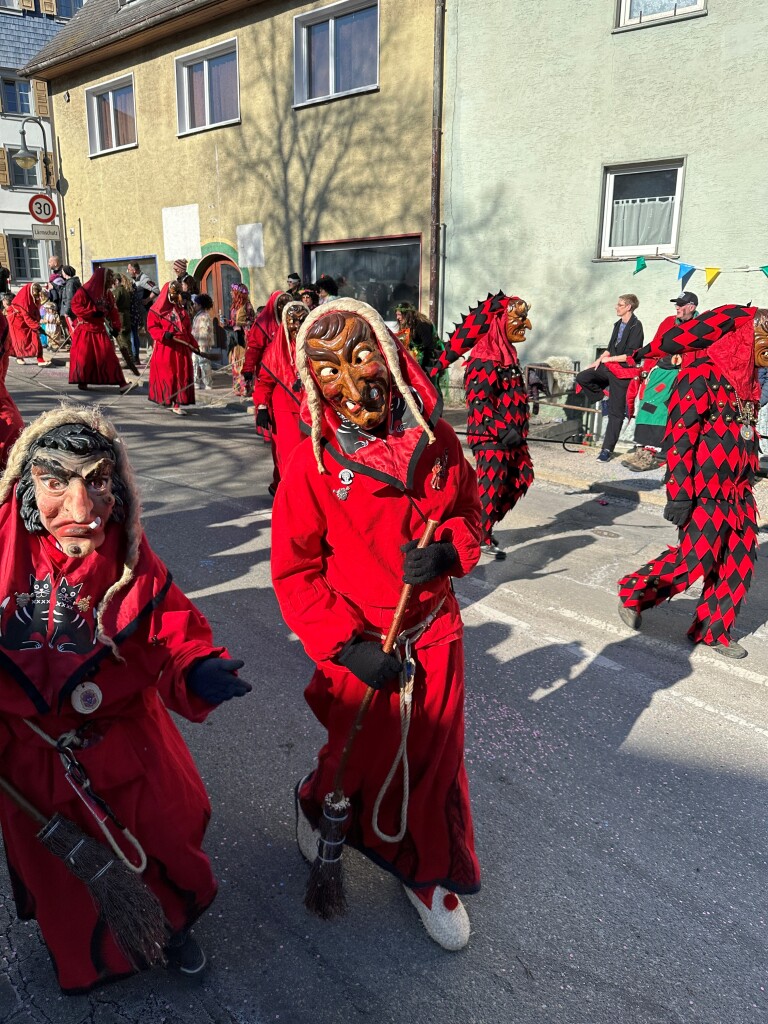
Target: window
(68,8)
(642,209)
(640,12)
(25,258)
(208,88)
(111,116)
(381,272)
(336,51)
(16,96)
(21,178)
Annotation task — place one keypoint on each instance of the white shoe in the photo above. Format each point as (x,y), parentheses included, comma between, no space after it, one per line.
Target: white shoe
(448,928)
(306,836)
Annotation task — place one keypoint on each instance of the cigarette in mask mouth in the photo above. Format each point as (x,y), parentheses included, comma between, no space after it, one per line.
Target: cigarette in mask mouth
(95,524)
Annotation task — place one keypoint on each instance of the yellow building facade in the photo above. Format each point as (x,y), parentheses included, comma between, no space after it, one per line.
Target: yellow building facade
(253,139)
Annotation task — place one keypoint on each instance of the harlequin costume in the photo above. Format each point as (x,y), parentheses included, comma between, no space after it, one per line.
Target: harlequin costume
(11,423)
(711,451)
(347,504)
(93,359)
(171,373)
(497,406)
(114,625)
(24,325)
(279,389)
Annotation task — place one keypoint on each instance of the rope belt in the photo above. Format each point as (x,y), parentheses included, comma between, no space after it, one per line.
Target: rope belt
(406,640)
(77,777)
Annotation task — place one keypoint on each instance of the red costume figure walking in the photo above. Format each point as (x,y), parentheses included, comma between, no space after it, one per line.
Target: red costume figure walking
(24,323)
(11,423)
(712,456)
(96,643)
(171,373)
(497,405)
(381,462)
(93,359)
(278,390)
(260,336)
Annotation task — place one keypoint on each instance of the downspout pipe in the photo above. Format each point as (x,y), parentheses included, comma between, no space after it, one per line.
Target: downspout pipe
(437,147)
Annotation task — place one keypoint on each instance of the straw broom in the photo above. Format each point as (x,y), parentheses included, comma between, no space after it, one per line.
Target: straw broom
(324,894)
(129,909)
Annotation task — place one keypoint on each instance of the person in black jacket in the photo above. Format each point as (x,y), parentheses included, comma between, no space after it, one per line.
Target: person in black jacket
(626,339)
(70,286)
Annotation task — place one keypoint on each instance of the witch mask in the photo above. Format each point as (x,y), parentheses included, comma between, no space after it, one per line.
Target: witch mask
(517,322)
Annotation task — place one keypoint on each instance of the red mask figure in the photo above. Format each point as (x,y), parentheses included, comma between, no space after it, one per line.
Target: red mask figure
(350,369)
(517,322)
(74,498)
(294,316)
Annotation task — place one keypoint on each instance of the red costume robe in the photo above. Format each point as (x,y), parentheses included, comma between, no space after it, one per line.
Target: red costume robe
(171,373)
(337,572)
(24,325)
(712,466)
(93,359)
(279,388)
(261,334)
(11,423)
(135,757)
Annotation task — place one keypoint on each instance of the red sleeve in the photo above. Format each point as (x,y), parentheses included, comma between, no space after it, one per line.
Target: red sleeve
(321,618)
(462,527)
(255,343)
(27,320)
(265,385)
(688,404)
(157,326)
(81,305)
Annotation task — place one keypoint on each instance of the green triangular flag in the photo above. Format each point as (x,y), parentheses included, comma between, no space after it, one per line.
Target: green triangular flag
(764,270)
(640,265)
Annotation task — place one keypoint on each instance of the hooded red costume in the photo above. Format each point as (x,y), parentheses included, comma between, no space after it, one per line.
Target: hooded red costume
(138,645)
(279,388)
(24,325)
(712,456)
(262,332)
(171,373)
(93,359)
(337,569)
(11,423)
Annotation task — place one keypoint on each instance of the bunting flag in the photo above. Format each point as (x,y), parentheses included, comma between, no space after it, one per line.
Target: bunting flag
(711,274)
(764,270)
(685,273)
(640,265)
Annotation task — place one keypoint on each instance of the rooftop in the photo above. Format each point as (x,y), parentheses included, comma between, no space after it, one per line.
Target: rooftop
(22,34)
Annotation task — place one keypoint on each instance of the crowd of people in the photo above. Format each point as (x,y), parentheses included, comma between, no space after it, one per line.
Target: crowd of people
(376,510)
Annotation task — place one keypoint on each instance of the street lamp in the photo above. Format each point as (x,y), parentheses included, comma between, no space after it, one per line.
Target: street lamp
(26,159)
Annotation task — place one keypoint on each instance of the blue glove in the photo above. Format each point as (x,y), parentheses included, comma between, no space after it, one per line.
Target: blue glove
(215,680)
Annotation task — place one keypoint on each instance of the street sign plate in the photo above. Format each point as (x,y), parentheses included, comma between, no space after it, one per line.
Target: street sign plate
(50,232)
(42,208)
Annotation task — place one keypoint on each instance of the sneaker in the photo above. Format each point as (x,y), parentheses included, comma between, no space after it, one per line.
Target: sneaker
(630,616)
(185,954)
(178,410)
(605,456)
(730,650)
(492,549)
(20,361)
(447,922)
(640,461)
(307,838)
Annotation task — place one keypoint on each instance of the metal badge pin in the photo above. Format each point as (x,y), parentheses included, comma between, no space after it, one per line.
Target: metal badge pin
(86,697)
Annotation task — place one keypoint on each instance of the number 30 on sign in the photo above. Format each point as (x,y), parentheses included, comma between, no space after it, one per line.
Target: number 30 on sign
(42,208)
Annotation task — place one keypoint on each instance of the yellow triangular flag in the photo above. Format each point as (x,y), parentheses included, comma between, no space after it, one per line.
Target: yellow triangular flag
(711,274)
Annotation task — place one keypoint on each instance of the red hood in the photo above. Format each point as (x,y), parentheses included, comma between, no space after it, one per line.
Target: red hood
(734,355)
(474,326)
(94,286)
(23,300)
(265,324)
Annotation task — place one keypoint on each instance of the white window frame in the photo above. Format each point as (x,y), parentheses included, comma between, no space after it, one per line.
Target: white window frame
(91,95)
(301,23)
(41,252)
(624,251)
(9,153)
(683,9)
(182,94)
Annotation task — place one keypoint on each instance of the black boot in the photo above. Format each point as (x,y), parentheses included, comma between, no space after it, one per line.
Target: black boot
(185,954)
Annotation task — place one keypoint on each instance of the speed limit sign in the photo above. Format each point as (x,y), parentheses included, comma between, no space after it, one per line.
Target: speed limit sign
(42,208)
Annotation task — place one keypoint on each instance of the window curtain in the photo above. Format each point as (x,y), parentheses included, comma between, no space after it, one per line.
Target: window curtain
(318,60)
(648,7)
(125,119)
(196,95)
(356,50)
(222,88)
(642,221)
(104,118)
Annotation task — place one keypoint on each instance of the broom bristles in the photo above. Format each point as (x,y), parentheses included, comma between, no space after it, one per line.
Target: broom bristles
(129,909)
(324,895)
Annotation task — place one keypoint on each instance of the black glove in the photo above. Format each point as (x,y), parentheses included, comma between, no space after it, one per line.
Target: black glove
(512,438)
(263,421)
(366,660)
(214,680)
(168,336)
(678,512)
(99,312)
(424,564)
(248,376)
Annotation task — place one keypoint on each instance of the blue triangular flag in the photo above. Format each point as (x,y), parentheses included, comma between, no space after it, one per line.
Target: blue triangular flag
(685,273)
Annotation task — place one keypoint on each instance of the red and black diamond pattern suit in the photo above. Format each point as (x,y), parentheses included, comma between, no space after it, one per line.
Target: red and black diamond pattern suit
(497,401)
(711,464)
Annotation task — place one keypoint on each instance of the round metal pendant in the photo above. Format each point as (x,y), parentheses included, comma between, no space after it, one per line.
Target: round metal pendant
(747,432)
(86,698)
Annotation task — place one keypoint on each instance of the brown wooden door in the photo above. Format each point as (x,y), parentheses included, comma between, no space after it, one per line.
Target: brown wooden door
(218,277)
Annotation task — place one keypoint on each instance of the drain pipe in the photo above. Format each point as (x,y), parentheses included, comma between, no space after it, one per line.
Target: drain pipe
(437,137)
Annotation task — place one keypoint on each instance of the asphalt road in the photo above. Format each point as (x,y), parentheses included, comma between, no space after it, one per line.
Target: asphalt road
(619,782)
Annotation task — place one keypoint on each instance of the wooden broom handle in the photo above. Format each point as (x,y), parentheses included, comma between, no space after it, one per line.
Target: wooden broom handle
(388,647)
(22,801)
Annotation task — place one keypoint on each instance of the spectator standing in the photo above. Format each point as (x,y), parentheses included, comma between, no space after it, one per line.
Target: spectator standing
(202,332)
(121,292)
(626,339)
(309,297)
(146,293)
(5,279)
(326,288)
(70,286)
(294,286)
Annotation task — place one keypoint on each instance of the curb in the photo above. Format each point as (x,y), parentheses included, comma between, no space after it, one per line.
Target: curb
(616,490)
